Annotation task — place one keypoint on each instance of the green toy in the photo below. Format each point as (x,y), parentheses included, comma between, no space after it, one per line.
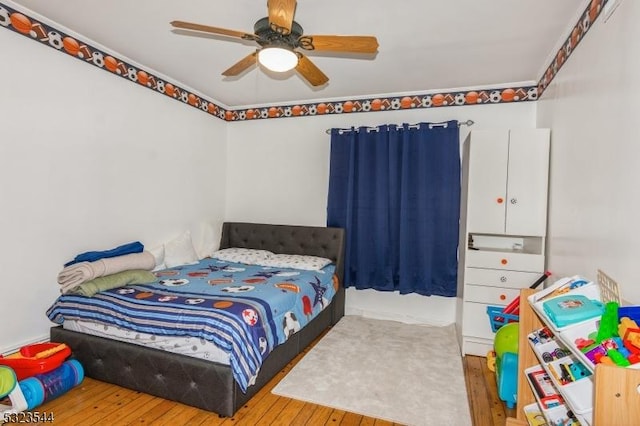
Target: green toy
(8,381)
(608,323)
(506,339)
(618,358)
(505,345)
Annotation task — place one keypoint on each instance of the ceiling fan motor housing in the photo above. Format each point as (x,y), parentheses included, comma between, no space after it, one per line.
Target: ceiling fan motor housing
(269,37)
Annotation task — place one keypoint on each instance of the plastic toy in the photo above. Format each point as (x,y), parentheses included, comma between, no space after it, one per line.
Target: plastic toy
(571,308)
(507,378)
(491,361)
(634,358)
(31,392)
(578,371)
(7,381)
(557,353)
(582,343)
(603,359)
(611,343)
(624,352)
(542,384)
(626,324)
(617,358)
(552,401)
(36,359)
(594,353)
(563,286)
(512,310)
(505,345)
(9,388)
(630,344)
(535,418)
(633,337)
(632,312)
(498,317)
(609,322)
(567,374)
(506,339)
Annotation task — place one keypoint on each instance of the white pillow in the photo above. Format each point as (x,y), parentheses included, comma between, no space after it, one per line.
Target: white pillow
(158,255)
(242,255)
(206,238)
(297,261)
(180,251)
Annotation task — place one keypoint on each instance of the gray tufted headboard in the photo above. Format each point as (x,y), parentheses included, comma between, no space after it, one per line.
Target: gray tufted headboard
(288,239)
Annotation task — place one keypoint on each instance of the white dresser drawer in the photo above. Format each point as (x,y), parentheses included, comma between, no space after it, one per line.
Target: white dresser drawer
(490,295)
(505,260)
(475,321)
(500,278)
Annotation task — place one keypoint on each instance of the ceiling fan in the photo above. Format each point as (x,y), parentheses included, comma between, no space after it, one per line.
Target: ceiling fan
(281,38)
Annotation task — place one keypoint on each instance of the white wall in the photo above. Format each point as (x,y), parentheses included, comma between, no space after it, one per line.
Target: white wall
(592,107)
(89,161)
(278,172)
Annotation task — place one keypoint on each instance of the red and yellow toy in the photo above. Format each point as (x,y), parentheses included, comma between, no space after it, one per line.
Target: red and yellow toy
(36,359)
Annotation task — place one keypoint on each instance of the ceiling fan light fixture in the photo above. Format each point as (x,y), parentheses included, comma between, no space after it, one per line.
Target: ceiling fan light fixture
(278,59)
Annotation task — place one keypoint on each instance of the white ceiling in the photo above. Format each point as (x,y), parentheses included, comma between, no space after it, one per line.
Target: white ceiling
(424,44)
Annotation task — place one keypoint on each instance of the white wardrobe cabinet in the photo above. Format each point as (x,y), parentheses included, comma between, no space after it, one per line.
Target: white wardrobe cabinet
(508,174)
(503,220)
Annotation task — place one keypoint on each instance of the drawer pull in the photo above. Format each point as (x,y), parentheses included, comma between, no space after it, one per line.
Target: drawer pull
(503,279)
(503,261)
(500,200)
(503,297)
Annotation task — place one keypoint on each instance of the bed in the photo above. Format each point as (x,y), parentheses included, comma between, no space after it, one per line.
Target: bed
(202,383)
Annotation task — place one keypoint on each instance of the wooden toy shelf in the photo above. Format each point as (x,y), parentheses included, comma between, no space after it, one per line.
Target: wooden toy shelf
(616,393)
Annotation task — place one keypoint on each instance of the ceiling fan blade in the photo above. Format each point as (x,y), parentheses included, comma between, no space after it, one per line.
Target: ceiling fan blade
(241,65)
(337,43)
(213,30)
(310,72)
(281,14)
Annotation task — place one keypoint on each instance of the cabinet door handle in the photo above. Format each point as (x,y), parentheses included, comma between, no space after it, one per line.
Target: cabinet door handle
(503,279)
(500,200)
(514,201)
(504,261)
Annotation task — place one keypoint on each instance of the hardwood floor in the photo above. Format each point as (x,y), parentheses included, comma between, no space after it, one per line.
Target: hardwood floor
(482,392)
(98,403)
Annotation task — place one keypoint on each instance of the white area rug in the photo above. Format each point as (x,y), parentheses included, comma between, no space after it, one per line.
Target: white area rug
(404,373)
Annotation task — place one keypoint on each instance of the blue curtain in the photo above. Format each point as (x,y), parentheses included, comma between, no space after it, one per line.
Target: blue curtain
(396,192)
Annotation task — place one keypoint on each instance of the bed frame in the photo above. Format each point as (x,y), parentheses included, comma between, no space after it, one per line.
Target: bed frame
(200,383)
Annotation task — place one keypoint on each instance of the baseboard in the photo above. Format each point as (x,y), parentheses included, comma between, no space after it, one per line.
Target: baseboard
(6,350)
(476,346)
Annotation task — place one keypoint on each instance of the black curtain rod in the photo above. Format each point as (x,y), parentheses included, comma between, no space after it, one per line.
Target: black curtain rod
(461,123)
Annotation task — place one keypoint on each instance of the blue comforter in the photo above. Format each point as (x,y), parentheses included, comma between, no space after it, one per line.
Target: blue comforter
(246,310)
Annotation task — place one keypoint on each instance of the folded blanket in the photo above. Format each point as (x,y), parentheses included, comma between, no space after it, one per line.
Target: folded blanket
(144,260)
(74,275)
(119,279)
(92,256)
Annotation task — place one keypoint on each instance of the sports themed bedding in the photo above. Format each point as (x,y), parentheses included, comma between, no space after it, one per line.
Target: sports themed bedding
(246,310)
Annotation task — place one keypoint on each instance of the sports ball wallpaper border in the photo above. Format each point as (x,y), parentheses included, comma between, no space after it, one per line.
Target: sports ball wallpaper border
(30,27)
